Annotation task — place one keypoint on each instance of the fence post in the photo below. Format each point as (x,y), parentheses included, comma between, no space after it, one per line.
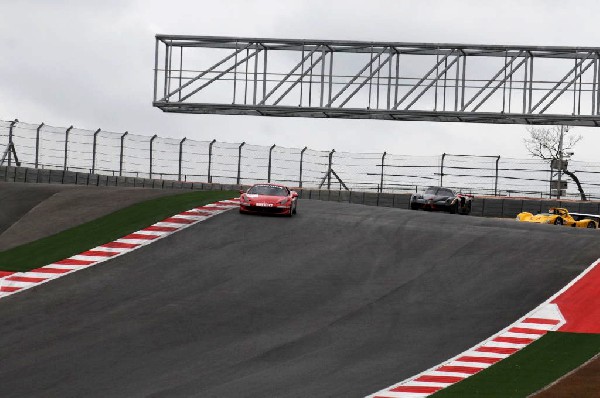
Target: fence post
(382,166)
(301,160)
(496,182)
(269,168)
(10,148)
(121,155)
(94,150)
(180,157)
(151,152)
(37,144)
(329,171)
(442,171)
(550,182)
(239,170)
(210,146)
(66,146)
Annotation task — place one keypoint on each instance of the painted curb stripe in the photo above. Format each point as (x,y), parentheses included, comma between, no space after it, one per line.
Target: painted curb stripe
(14,282)
(544,318)
(136,236)
(25,279)
(119,245)
(174,220)
(160,229)
(72,261)
(50,270)
(98,253)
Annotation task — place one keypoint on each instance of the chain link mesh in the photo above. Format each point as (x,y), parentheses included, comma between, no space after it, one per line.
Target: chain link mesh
(285,166)
(224,162)
(194,160)
(136,156)
(404,173)
(105,152)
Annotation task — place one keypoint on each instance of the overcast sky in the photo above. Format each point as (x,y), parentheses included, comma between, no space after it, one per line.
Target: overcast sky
(89,63)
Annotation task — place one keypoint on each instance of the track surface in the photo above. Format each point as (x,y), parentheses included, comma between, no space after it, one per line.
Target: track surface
(342,300)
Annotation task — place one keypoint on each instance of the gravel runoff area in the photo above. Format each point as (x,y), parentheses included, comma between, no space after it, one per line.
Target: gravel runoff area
(32,211)
(237,305)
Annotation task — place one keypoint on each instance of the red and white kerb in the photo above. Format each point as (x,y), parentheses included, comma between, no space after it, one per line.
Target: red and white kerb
(14,282)
(575,308)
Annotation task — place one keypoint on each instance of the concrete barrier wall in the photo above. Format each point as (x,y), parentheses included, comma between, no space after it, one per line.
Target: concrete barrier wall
(45,176)
(482,207)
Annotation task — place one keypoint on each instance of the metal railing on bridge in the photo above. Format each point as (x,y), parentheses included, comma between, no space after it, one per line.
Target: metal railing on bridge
(377,80)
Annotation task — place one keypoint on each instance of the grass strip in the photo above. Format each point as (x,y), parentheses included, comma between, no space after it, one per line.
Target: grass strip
(104,229)
(529,370)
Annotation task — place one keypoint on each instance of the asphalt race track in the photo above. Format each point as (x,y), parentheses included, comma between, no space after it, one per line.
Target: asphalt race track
(340,301)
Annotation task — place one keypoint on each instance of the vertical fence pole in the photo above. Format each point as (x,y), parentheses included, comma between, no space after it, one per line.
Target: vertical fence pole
(329,170)
(10,146)
(210,146)
(550,182)
(560,154)
(37,144)
(496,182)
(442,171)
(151,153)
(239,170)
(67,146)
(180,157)
(382,166)
(121,155)
(94,150)
(301,162)
(269,168)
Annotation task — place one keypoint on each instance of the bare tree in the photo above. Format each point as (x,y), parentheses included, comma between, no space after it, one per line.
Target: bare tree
(544,143)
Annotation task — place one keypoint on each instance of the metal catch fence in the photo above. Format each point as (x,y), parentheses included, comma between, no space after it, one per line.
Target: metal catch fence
(124,154)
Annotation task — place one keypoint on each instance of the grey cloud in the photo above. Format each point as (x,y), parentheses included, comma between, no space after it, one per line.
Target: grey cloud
(90,64)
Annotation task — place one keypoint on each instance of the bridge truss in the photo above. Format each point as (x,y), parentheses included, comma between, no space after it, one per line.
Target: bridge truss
(368,80)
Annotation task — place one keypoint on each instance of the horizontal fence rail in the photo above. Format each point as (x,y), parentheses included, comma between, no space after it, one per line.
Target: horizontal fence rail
(126,154)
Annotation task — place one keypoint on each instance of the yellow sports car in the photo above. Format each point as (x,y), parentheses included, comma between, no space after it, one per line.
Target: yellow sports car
(560,216)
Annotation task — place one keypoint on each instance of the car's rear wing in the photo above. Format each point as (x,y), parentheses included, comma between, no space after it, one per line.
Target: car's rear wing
(581,216)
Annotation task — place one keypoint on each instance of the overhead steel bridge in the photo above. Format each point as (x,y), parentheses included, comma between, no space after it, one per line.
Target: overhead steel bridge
(377,80)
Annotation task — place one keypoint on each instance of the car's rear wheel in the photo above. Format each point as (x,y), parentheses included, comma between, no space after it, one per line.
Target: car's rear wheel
(468,208)
(414,206)
(454,208)
(295,207)
(591,224)
(558,221)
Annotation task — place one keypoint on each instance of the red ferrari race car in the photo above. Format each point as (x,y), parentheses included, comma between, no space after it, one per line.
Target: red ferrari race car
(269,199)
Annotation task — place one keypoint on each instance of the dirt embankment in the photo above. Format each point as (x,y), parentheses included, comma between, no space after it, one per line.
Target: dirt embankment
(584,382)
(32,211)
